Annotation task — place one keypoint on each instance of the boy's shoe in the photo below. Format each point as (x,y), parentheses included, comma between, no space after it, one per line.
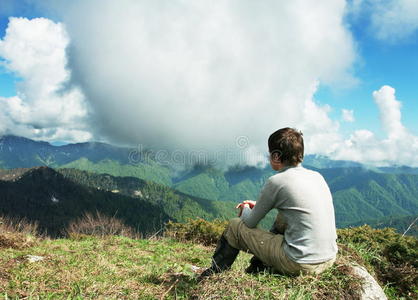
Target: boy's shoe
(256,266)
(222,259)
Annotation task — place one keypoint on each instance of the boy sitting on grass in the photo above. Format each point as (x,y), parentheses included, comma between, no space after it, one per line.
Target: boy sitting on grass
(306,239)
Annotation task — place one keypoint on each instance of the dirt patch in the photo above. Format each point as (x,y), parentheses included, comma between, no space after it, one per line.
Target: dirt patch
(4,276)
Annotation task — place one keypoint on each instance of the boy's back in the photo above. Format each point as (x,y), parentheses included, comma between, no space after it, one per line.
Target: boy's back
(304,200)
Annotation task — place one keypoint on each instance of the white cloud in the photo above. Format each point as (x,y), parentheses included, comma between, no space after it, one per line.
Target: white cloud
(347,115)
(45,107)
(390,20)
(398,147)
(197,74)
(395,19)
(320,131)
(390,111)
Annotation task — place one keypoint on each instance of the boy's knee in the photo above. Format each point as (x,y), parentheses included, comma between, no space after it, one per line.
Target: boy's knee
(234,223)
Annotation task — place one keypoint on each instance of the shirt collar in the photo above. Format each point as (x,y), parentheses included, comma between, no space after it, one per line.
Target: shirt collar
(299,165)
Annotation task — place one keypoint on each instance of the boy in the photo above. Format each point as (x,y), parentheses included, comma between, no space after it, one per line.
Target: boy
(306,215)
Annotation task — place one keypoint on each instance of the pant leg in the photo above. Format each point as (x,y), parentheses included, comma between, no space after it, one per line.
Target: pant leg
(267,246)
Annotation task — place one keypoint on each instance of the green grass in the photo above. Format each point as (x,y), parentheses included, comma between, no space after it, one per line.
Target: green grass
(389,256)
(113,267)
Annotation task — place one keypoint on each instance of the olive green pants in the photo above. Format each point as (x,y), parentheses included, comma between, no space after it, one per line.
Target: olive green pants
(268,247)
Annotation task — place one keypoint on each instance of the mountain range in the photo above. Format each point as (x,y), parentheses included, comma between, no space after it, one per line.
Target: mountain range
(361,193)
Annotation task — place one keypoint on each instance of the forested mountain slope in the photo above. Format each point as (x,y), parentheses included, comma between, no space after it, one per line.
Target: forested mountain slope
(177,205)
(47,197)
(360,194)
(54,199)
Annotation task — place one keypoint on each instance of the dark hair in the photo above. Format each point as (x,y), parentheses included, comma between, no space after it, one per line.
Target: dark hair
(288,144)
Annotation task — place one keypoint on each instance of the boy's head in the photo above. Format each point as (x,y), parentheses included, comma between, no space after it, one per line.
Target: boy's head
(286,146)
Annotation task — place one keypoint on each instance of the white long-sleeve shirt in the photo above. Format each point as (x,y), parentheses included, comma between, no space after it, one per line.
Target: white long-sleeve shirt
(303,198)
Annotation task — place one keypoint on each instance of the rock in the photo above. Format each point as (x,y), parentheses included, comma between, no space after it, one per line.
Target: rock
(371,290)
(34,258)
(138,193)
(195,269)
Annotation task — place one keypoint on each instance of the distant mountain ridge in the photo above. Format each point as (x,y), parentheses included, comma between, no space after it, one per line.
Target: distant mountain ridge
(20,152)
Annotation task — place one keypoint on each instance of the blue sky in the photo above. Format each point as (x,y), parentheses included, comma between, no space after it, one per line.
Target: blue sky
(380,63)
(384,55)
(7,80)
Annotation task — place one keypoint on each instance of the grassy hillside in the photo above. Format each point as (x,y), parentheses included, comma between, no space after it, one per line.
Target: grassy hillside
(122,268)
(91,267)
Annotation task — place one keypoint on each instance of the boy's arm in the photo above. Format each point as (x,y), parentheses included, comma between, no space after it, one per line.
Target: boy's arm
(265,203)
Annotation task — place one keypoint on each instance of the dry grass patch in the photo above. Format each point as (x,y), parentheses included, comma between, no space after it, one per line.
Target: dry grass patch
(15,225)
(16,240)
(17,234)
(99,225)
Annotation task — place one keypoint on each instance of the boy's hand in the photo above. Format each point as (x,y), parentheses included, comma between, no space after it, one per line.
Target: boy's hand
(250,203)
(247,203)
(241,208)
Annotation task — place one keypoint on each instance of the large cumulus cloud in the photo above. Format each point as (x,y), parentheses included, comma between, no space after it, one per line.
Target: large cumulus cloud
(198,74)
(192,75)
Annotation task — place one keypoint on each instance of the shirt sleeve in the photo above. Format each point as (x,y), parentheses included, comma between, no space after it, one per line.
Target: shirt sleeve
(266,202)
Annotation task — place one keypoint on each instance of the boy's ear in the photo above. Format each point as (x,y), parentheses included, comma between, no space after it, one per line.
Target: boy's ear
(275,156)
